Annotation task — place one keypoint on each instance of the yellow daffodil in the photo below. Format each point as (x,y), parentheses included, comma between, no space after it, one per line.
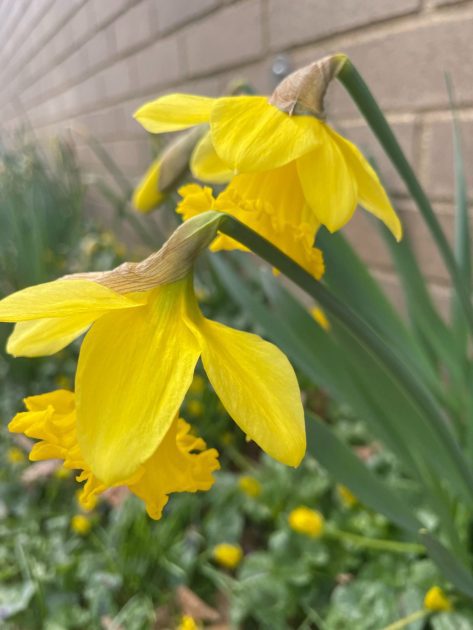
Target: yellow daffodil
(81,524)
(181,462)
(269,145)
(227,555)
(249,486)
(436,600)
(145,334)
(303,520)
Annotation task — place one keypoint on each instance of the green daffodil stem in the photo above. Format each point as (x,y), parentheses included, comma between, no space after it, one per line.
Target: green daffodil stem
(385,356)
(375,543)
(355,85)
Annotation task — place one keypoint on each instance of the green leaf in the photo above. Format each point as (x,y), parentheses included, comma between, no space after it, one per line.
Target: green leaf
(455,571)
(462,225)
(361,95)
(347,468)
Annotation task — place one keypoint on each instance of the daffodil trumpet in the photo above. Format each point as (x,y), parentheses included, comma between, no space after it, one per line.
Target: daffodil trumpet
(144,336)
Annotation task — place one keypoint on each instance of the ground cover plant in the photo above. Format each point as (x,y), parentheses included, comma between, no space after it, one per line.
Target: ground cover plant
(373,527)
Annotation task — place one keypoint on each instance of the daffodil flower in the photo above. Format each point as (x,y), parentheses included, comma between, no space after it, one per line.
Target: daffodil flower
(323,175)
(145,334)
(181,462)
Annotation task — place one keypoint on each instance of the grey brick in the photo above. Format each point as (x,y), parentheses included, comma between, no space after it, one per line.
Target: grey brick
(226,37)
(310,20)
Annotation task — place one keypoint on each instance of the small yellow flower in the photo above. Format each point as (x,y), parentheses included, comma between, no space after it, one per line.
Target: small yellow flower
(195,408)
(320,317)
(227,555)
(15,455)
(198,385)
(436,600)
(303,520)
(187,623)
(346,496)
(80,524)
(250,486)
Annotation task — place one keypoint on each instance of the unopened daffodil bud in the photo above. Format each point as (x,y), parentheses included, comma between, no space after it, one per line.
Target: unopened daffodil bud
(166,171)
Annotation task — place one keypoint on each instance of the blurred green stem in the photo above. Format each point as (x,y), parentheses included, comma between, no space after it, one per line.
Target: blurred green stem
(375,543)
(355,85)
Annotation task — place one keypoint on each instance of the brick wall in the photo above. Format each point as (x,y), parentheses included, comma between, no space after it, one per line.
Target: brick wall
(71,64)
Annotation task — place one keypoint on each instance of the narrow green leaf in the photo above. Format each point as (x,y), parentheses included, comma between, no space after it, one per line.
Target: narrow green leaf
(462,246)
(456,572)
(360,330)
(361,95)
(346,468)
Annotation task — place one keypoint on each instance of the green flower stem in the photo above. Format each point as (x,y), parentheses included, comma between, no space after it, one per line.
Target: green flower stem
(375,543)
(364,334)
(405,621)
(353,82)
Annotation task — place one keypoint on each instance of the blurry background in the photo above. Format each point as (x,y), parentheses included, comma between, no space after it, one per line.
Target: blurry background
(71,64)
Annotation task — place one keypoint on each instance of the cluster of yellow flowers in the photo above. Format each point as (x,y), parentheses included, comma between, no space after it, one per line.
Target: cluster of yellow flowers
(288,173)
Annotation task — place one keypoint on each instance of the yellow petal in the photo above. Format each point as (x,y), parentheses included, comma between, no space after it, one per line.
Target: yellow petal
(258,387)
(174,111)
(147,195)
(206,165)
(249,134)
(44,337)
(61,298)
(134,369)
(181,463)
(371,194)
(328,183)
